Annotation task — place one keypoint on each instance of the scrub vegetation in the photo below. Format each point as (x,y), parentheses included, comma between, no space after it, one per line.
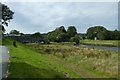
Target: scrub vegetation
(87,63)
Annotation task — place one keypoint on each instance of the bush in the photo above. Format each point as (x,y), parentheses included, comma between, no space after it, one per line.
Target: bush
(75,39)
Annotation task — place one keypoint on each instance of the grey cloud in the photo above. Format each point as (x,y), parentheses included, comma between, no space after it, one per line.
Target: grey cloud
(44,17)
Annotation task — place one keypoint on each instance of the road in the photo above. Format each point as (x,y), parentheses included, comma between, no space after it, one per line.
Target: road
(4,58)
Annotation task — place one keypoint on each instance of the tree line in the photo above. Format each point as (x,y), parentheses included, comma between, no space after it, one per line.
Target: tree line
(101,33)
(60,34)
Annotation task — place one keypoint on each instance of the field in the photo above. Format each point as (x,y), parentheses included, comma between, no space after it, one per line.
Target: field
(55,59)
(87,63)
(101,42)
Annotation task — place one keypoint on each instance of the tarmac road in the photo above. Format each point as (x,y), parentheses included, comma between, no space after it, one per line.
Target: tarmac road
(4,61)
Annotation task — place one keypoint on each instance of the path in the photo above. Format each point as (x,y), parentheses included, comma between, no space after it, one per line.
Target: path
(4,58)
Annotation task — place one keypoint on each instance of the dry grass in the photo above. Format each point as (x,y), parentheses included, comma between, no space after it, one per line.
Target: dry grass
(95,62)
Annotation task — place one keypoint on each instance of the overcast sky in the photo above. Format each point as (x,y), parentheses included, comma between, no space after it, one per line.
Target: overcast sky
(43,17)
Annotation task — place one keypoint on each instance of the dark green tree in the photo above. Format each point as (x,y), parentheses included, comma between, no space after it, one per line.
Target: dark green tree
(14,32)
(47,41)
(98,31)
(62,37)
(71,31)
(36,34)
(113,35)
(5,15)
(54,35)
(72,39)
(2,28)
(21,34)
(61,29)
(75,39)
(116,35)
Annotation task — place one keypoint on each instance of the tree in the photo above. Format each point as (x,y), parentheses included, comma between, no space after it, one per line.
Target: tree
(14,32)
(116,34)
(2,28)
(113,35)
(72,39)
(59,30)
(51,36)
(62,37)
(97,31)
(75,39)
(46,40)
(57,33)
(37,34)
(62,29)
(5,15)
(21,34)
(71,31)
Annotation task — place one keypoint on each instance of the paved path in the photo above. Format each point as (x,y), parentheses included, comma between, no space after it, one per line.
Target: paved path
(4,57)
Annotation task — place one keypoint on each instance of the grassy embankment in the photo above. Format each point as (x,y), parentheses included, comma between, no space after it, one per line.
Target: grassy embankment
(115,43)
(27,63)
(53,60)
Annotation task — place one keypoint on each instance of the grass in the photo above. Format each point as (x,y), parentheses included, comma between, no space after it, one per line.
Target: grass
(114,43)
(55,59)
(87,63)
(27,63)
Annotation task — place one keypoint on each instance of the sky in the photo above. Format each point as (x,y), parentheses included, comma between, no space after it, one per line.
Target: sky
(31,17)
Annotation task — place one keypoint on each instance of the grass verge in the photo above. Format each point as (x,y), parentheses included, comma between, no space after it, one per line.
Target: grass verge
(27,63)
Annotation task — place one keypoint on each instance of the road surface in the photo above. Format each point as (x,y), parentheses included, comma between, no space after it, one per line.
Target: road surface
(4,58)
